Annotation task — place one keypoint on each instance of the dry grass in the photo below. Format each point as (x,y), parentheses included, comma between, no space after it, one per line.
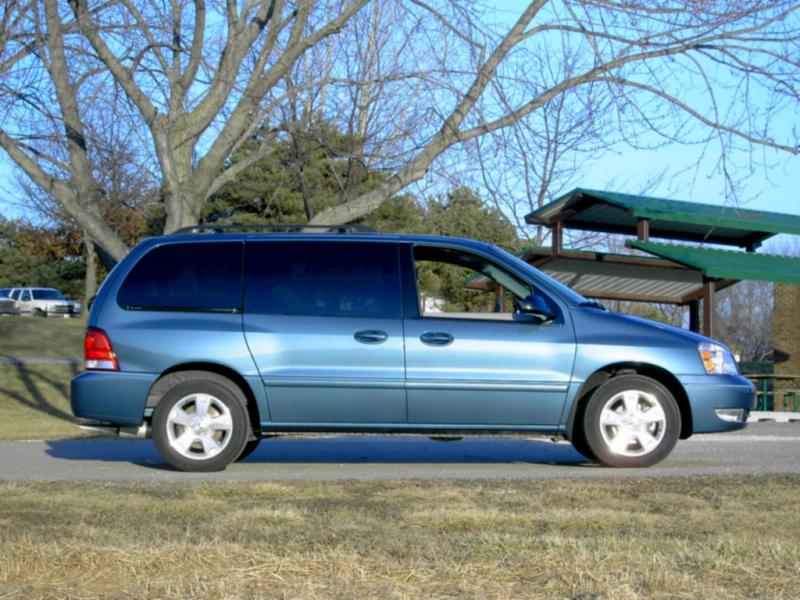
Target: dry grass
(715,538)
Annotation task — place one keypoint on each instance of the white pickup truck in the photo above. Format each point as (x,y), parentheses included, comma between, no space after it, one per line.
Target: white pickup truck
(44,302)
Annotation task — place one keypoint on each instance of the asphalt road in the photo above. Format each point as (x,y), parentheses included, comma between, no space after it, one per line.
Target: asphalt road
(762,448)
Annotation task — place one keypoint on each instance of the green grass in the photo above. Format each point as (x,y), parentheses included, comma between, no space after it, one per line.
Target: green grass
(34,398)
(721,538)
(51,337)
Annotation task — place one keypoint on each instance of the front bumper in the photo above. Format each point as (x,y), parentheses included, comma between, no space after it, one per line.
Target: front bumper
(111,396)
(61,310)
(712,397)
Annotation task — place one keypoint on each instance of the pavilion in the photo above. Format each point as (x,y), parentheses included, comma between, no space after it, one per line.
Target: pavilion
(686,275)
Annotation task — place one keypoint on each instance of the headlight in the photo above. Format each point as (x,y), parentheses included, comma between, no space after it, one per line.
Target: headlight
(717,360)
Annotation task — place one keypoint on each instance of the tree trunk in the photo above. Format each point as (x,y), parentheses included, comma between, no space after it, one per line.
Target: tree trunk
(90,281)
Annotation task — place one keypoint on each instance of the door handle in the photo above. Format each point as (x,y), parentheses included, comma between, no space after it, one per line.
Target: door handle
(370,336)
(436,338)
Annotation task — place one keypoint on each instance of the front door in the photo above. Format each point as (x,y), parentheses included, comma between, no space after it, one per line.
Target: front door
(322,321)
(25,301)
(470,359)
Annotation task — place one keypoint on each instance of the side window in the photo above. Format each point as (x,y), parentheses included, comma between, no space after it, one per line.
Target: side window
(26,296)
(323,279)
(456,284)
(202,276)
(15,294)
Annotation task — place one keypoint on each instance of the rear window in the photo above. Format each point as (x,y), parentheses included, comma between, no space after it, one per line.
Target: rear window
(330,279)
(186,277)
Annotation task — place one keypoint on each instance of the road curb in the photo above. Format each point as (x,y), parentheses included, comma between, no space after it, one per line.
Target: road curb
(759,416)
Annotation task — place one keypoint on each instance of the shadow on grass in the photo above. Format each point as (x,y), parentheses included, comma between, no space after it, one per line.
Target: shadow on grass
(35,383)
(353,449)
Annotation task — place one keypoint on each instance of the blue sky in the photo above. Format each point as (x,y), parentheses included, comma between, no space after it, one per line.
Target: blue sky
(774,188)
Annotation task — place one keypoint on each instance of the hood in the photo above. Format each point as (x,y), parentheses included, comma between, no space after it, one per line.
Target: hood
(589,319)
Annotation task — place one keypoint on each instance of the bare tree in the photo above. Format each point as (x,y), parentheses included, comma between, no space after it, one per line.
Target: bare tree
(126,195)
(47,136)
(414,82)
(621,64)
(200,98)
(744,319)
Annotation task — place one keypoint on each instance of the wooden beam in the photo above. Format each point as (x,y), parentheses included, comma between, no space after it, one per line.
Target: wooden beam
(499,298)
(709,292)
(656,263)
(719,285)
(629,297)
(694,316)
(657,232)
(560,216)
(643,230)
(558,238)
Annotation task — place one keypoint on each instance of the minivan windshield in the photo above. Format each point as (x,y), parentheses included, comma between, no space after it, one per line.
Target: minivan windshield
(44,294)
(566,292)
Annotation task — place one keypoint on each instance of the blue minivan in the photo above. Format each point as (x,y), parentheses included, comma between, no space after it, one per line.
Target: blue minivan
(209,339)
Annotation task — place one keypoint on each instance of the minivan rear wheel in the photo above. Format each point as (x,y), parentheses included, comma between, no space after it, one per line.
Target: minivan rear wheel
(201,424)
(631,421)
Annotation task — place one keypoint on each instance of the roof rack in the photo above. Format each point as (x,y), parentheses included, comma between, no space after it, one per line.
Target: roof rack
(277,228)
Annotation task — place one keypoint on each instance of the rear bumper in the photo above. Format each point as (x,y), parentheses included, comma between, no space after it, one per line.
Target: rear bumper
(111,396)
(709,394)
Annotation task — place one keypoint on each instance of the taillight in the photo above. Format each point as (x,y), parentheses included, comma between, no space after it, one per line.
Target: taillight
(97,351)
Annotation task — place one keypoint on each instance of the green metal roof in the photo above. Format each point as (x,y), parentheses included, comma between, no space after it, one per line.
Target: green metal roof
(727,264)
(595,210)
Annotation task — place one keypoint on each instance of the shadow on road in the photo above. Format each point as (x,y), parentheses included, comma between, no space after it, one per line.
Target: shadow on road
(344,449)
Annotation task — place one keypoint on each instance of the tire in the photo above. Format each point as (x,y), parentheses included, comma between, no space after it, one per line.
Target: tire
(631,421)
(249,447)
(201,423)
(581,445)
(39,313)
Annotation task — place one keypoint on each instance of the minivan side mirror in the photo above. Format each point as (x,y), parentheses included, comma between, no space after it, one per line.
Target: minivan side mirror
(537,307)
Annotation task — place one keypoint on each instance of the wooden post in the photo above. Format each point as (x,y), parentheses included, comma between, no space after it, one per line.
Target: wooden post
(694,316)
(499,298)
(709,289)
(558,238)
(643,230)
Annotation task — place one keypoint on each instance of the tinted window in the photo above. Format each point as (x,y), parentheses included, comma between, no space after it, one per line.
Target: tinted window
(45,294)
(332,279)
(197,276)
(15,294)
(26,296)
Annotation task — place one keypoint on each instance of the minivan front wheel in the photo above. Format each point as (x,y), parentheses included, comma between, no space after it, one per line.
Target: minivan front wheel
(201,424)
(631,421)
